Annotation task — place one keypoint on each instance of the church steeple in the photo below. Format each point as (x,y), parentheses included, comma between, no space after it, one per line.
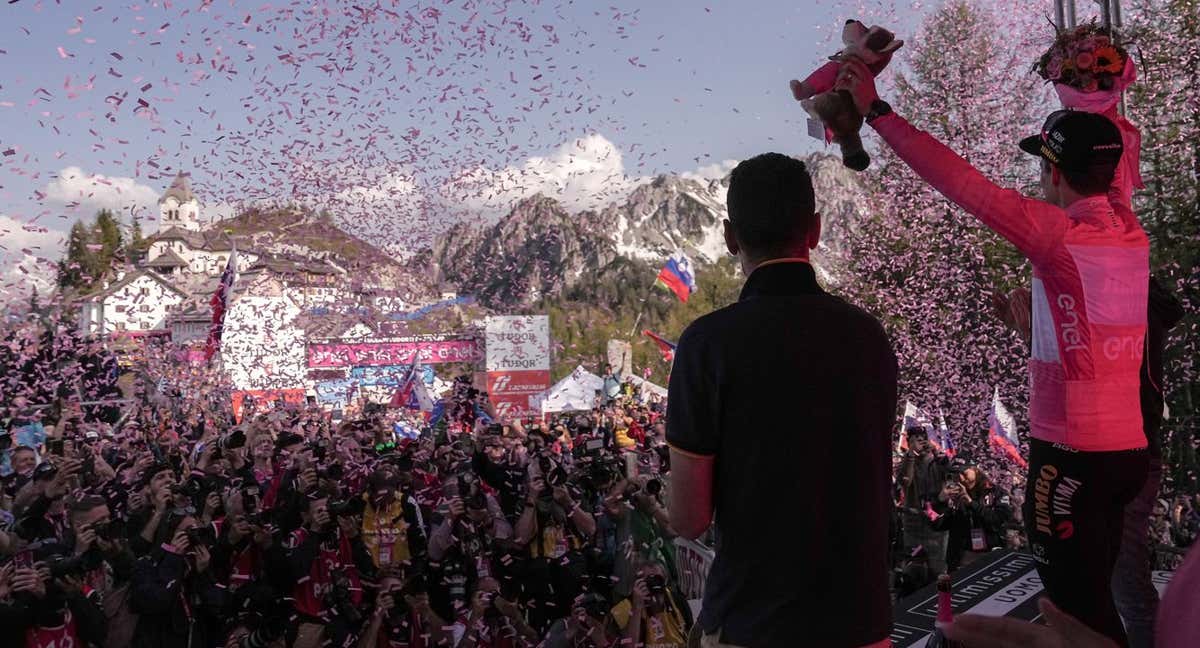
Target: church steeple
(179,207)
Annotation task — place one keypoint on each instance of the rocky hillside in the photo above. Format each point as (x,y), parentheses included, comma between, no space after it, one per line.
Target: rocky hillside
(540,250)
(302,234)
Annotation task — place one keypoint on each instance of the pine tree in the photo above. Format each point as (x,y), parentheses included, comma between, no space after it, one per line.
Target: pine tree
(138,245)
(108,235)
(74,271)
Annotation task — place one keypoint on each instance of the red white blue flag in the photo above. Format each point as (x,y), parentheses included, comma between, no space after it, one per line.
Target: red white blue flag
(677,276)
(666,347)
(220,304)
(1003,431)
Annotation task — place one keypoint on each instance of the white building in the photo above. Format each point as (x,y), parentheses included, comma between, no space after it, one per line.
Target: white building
(182,245)
(138,302)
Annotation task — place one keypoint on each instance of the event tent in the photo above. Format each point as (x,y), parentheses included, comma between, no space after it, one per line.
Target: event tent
(576,392)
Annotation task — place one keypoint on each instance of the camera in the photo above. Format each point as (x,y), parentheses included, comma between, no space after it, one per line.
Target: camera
(490,611)
(347,508)
(332,472)
(231,440)
(61,566)
(204,536)
(339,598)
(320,449)
(656,584)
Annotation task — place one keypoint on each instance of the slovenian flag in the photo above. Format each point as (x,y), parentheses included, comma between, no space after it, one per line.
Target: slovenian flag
(404,393)
(944,441)
(677,276)
(667,348)
(913,418)
(219,304)
(1003,431)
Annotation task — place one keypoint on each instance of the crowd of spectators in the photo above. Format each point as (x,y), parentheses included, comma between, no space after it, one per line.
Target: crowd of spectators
(176,526)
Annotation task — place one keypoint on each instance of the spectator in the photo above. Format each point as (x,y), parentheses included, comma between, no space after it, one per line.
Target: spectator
(492,621)
(923,471)
(176,598)
(402,617)
(654,615)
(973,514)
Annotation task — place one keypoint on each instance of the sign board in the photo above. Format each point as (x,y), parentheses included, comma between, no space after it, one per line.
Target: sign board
(517,360)
(620,356)
(390,351)
(517,343)
(389,375)
(1004,583)
(335,391)
(692,562)
(263,400)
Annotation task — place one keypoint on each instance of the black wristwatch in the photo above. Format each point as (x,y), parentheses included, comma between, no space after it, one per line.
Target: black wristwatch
(879,108)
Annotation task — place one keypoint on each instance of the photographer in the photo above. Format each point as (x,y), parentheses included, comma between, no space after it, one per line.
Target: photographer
(922,474)
(106,564)
(556,529)
(174,593)
(640,525)
(589,625)
(473,524)
(48,606)
(393,528)
(327,561)
(150,505)
(243,537)
(655,615)
(403,618)
(973,513)
(492,621)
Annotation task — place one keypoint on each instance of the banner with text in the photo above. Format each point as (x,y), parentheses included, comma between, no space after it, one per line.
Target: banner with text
(392,351)
(517,359)
(692,562)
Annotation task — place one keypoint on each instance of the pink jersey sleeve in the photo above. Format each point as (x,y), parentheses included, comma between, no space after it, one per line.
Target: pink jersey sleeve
(1032,225)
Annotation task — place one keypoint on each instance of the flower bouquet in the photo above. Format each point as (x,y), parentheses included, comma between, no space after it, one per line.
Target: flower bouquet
(1087,58)
(1090,69)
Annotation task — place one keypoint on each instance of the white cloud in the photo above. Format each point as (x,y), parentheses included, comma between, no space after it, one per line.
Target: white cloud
(28,253)
(714,171)
(87,192)
(587,173)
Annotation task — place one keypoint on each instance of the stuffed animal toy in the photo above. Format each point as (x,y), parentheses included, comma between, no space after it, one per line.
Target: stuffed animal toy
(835,109)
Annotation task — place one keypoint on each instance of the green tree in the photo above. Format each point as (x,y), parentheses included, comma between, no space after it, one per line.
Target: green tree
(107,232)
(138,245)
(74,270)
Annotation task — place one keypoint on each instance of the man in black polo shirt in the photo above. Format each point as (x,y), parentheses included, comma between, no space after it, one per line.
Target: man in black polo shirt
(779,418)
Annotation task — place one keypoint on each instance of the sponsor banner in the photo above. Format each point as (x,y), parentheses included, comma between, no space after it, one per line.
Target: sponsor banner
(326,374)
(517,343)
(398,351)
(1003,583)
(335,391)
(512,407)
(263,400)
(389,375)
(516,383)
(692,562)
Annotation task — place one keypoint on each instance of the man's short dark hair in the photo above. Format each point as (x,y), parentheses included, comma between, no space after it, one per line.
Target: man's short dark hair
(1089,182)
(771,204)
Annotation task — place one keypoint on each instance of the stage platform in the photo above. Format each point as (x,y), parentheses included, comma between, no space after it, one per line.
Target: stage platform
(1005,583)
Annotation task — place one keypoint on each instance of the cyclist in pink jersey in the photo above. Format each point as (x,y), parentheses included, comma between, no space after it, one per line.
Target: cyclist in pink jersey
(1090,257)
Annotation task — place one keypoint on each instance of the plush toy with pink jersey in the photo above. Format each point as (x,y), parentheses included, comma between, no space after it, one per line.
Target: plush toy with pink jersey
(873,46)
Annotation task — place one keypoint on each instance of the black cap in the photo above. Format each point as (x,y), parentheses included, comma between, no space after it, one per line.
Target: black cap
(1077,141)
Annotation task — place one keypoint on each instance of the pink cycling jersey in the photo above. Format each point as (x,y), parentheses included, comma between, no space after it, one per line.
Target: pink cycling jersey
(1091,266)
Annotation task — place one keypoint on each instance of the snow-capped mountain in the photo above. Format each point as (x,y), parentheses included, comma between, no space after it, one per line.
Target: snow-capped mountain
(541,249)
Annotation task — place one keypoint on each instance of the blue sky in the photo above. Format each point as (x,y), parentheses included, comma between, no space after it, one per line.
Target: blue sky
(666,86)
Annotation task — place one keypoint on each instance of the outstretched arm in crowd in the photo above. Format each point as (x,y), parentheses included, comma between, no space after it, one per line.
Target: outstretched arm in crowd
(1033,226)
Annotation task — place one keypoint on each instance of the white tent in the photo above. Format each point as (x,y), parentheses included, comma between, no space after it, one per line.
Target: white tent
(648,388)
(576,392)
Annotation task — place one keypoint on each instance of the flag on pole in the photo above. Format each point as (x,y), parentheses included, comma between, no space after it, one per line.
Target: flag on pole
(944,440)
(914,417)
(404,393)
(1003,431)
(666,347)
(677,276)
(220,304)
(405,431)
